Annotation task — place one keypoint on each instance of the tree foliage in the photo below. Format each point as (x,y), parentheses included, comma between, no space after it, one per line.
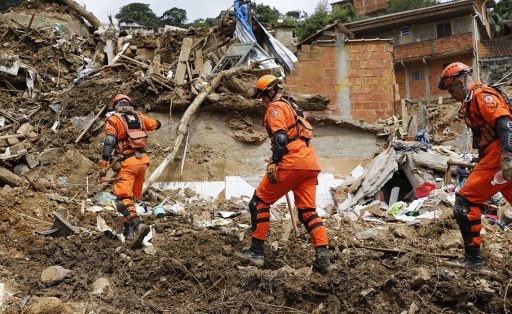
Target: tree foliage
(293,14)
(209,22)
(174,17)
(266,14)
(395,6)
(504,9)
(138,12)
(5,4)
(497,17)
(321,18)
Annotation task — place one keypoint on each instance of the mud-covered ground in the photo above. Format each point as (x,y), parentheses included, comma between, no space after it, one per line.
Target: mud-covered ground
(194,269)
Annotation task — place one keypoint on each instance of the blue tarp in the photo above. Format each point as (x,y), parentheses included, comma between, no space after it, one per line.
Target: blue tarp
(242,15)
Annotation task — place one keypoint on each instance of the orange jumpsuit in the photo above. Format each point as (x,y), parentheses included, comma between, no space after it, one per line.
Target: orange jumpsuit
(133,170)
(485,107)
(297,171)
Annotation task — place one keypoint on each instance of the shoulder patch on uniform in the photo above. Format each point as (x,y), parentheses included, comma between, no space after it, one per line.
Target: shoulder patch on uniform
(488,99)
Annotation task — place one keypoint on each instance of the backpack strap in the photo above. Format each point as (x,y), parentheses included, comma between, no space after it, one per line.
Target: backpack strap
(294,125)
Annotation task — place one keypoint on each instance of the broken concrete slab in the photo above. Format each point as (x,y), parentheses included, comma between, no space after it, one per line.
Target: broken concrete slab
(9,178)
(50,155)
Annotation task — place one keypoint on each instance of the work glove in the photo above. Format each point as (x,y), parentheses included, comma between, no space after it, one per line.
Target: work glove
(102,164)
(506,165)
(272,173)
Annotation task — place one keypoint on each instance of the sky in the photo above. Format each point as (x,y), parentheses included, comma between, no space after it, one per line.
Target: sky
(195,8)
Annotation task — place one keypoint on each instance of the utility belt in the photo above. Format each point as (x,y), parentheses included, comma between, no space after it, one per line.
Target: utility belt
(137,153)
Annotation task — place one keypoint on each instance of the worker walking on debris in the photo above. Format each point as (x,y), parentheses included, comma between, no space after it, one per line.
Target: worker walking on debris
(488,114)
(126,135)
(292,167)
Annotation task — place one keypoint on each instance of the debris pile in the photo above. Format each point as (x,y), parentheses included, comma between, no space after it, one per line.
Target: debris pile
(389,224)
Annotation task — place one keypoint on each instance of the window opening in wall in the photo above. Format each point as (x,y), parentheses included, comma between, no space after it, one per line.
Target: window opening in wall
(416,76)
(405,31)
(444,30)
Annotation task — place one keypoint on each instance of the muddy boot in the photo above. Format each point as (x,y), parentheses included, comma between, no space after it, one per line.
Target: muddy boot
(128,231)
(322,262)
(254,255)
(140,231)
(472,259)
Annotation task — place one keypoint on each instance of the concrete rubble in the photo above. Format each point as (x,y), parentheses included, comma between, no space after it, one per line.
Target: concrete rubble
(385,197)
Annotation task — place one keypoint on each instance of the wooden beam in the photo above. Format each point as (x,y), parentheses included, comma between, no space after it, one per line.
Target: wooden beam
(186,47)
(185,119)
(90,124)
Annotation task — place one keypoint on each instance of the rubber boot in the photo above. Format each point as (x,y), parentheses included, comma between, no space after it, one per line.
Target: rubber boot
(140,231)
(128,231)
(472,259)
(322,262)
(255,254)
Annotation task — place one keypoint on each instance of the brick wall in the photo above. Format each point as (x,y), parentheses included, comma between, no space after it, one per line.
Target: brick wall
(315,73)
(366,7)
(435,67)
(371,79)
(434,47)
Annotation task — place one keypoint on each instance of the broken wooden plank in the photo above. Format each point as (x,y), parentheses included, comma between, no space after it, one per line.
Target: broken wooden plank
(189,71)
(3,137)
(8,115)
(198,61)
(186,47)
(141,64)
(91,123)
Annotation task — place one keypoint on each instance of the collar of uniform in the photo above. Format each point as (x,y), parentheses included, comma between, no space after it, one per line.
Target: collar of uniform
(475,85)
(276,98)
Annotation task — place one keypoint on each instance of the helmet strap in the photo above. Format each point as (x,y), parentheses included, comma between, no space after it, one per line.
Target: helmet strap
(125,109)
(465,91)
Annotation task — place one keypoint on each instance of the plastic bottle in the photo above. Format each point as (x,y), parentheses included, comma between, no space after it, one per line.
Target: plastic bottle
(498,178)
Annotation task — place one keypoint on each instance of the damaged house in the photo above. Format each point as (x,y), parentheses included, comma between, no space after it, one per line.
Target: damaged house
(428,39)
(355,74)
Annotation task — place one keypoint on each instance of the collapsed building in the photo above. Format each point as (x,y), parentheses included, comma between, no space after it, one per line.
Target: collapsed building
(387,239)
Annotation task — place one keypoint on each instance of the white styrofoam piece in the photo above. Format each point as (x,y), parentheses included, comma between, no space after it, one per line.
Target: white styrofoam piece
(2,288)
(357,172)
(204,189)
(236,187)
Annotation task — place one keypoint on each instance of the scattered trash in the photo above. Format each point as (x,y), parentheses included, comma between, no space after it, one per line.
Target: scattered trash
(60,227)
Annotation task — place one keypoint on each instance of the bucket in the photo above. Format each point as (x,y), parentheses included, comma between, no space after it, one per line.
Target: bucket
(159,211)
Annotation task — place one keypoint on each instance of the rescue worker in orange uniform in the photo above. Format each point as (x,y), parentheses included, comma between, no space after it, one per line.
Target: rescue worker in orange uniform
(126,136)
(489,116)
(292,167)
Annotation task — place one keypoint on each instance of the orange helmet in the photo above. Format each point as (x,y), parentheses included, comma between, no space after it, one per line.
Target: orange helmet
(451,72)
(119,97)
(264,84)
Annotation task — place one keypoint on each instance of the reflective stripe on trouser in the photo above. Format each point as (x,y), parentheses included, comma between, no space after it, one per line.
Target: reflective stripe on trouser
(303,184)
(130,187)
(477,189)
(475,226)
(314,225)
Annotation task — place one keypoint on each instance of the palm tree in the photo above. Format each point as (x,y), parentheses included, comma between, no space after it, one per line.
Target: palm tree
(497,24)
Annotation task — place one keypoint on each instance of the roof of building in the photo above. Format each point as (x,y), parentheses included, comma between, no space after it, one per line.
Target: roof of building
(495,48)
(132,24)
(426,14)
(342,1)
(337,26)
